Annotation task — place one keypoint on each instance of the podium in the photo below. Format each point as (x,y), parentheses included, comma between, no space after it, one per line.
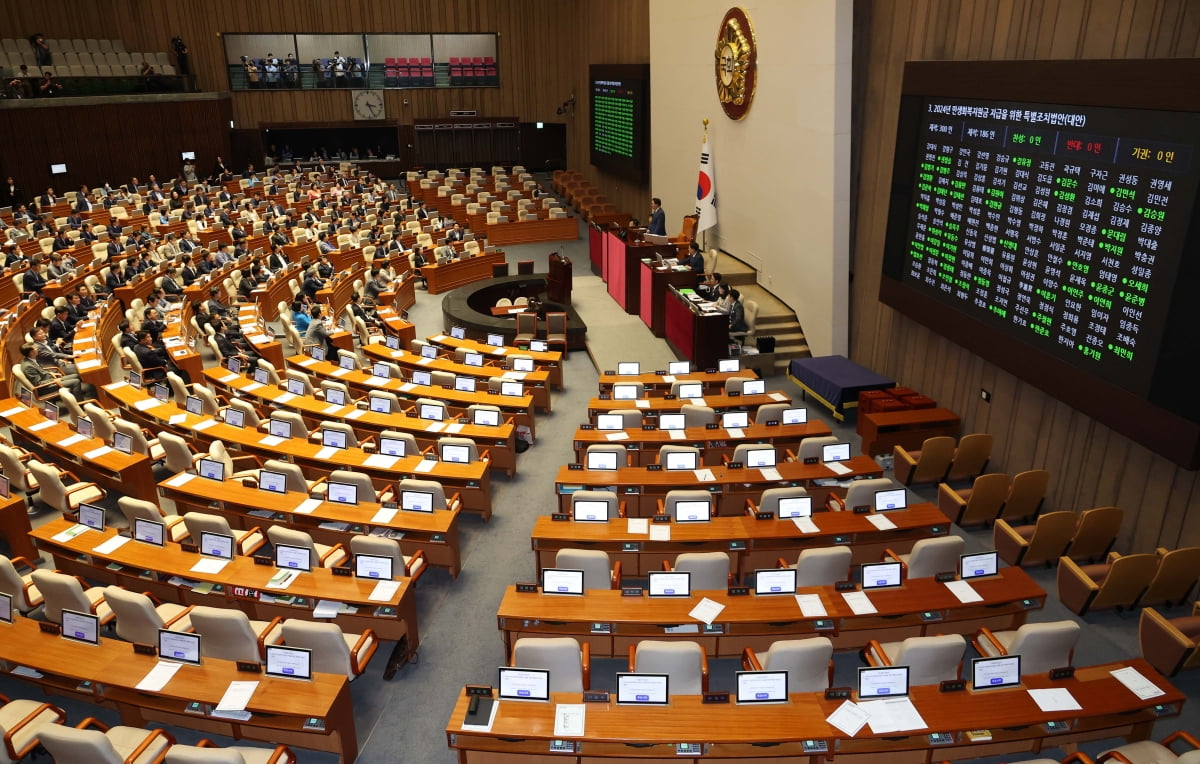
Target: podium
(559,280)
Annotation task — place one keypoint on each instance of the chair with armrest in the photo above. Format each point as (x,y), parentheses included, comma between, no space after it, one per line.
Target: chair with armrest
(394,405)
(614,508)
(671,448)
(1042,646)
(70,407)
(230,635)
(742,450)
(320,555)
(14,464)
(431,486)
(1170,644)
(140,443)
(1116,583)
(684,663)
(248,542)
(353,361)
(926,465)
(1025,495)
(446,379)
(978,505)
(299,429)
(484,407)
(971,457)
(179,390)
(473,452)
(101,420)
(409,566)
(1177,572)
(929,557)
(210,403)
(568,662)
(96,743)
(177,454)
(1095,533)
(297,376)
(1042,542)
(206,752)
(139,617)
(710,570)
(860,492)
(769,501)
(597,572)
(631,419)
(810,448)
(556,332)
(367,492)
(527,329)
(771,412)
(410,442)
(821,566)
(609,448)
(272,372)
(16,580)
(1150,752)
(294,479)
(697,416)
(241,467)
(333,651)
(930,660)
(20,722)
(48,392)
(809,662)
(54,493)
(735,384)
(134,509)
(666,505)
(251,418)
(422,403)
(64,592)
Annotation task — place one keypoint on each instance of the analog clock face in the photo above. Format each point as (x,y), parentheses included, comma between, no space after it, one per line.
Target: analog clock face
(736,64)
(367,104)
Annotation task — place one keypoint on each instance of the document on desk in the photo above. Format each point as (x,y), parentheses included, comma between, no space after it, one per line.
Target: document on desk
(706,611)
(327,609)
(660,532)
(270,440)
(282,579)
(1137,683)
(284,397)
(770,473)
(517,375)
(111,545)
(384,515)
(498,351)
(570,719)
(697,401)
(146,403)
(96,453)
(251,387)
(425,465)
(737,433)
(881,522)
(305,362)
(404,388)
(42,425)
(838,468)
(454,427)
(638,525)
(175,419)
(72,440)
(642,403)
(705,475)
(964,591)
(18,409)
(677,434)
(1055,699)
(384,591)
(892,715)
(383,461)
(859,602)
(434,427)
(89,364)
(805,525)
(229,379)
(237,696)
(326,453)
(158,676)
(848,717)
(209,565)
(668,378)
(204,424)
(811,606)
(70,533)
(307,506)
(619,435)
(339,372)
(332,410)
(424,362)
(377,381)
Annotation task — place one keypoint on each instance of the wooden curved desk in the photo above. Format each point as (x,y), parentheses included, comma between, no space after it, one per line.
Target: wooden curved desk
(643,445)
(443,278)
(714,382)
(548,360)
(651,406)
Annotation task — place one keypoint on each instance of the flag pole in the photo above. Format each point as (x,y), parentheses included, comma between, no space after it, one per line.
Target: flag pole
(704,233)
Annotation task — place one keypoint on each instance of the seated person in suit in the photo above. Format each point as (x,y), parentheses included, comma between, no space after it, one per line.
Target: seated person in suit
(155,361)
(231,345)
(171,286)
(708,287)
(737,313)
(215,306)
(128,339)
(34,280)
(324,267)
(312,284)
(115,276)
(159,300)
(49,354)
(318,334)
(44,381)
(694,259)
(61,332)
(153,323)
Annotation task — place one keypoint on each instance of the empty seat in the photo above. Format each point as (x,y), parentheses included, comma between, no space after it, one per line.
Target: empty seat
(930,557)
(333,651)
(1043,542)
(970,457)
(1170,644)
(930,660)
(1176,575)
(569,664)
(808,662)
(926,465)
(1025,495)
(597,572)
(709,570)
(104,745)
(1150,752)
(684,663)
(1095,533)
(978,504)
(1042,646)
(1118,582)
(821,566)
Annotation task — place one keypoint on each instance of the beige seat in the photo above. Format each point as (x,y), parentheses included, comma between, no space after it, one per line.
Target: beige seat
(684,663)
(926,465)
(609,448)
(65,498)
(101,420)
(205,752)
(1042,646)
(810,448)
(709,570)
(294,479)
(1118,582)
(431,486)
(977,505)
(929,557)
(138,440)
(1150,752)
(410,566)
(771,498)
(248,542)
(771,412)
(808,662)
(16,580)
(821,566)
(366,487)
(104,745)
(860,493)
(661,457)
(735,384)
(320,555)
(971,457)
(241,467)
(1043,542)
(1025,495)
(597,572)
(1095,533)
(139,618)
(140,508)
(569,664)
(631,419)
(1177,573)
(298,427)
(1170,644)
(667,504)
(429,405)
(63,592)
(410,443)
(697,416)
(15,466)
(177,454)
(295,376)
(333,651)
(613,507)
(473,452)
(930,660)
(230,635)
(20,723)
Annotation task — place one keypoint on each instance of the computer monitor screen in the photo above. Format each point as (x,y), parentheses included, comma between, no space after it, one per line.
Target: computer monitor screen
(333,438)
(428,351)
(486,417)
(455,453)
(211,469)
(83,426)
(993,673)
(691,390)
(693,511)
(216,545)
(380,404)
(464,384)
(625,392)
(562,581)
(289,662)
(676,368)
(391,446)
(735,419)
(179,646)
(775,581)
(795,416)
(58,169)
(680,460)
(602,460)
(135,379)
(433,411)
(162,393)
(122,442)
(149,531)
(235,417)
(760,457)
(261,376)
(80,627)
(669,583)
(458,332)
(672,422)
(762,686)
(50,411)
(279,428)
(881,575)
(754,387)
(610,422)
(514,389)
(423,378)
(473,359)
(894,498)
(729,364)
(642,689)
(347,361)
(91,516)
(538,346)
(882,682)
(380,370)
(391,342)
(416,501)
(293,557)
(522,364)
(524,684)
(835,452)
(234,364)
(26,397)
(193,405)
(795,506)
(334,396)
(978,565)
(495,340)
(187,155)
(374,566)
(629,368)
(342,493)
(317,352)
(6,608)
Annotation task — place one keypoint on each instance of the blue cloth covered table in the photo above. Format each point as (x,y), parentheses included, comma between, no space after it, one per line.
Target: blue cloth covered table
(835,381)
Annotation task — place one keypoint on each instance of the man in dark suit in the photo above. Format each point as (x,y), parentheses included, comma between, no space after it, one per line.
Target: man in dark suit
(171,286)
(658,219)
(277,261)
(61,333)
(11,194)
(188,273)
(151,322)
(155,361)
(128,339)
(422,213)
(115,277)
(46,200)
(737,314)
(82,203)
(455,234)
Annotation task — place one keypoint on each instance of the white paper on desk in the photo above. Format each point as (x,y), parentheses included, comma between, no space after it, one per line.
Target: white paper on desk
(339,372)
(355,413)
(805,525)
(642,403)
(229,378)
(251,387)
(705,475)
(697,401)
(27,671)
(85,365)
(434,427)
(622,435)
(406,387)
(838,468)
(307,506)
(284,397)
(384,515)
(71,440)
(677,434)
(668,378)
(209,565)
(638,525)
(964,591)
(326,453)
(517,375)
(71,532)
(175,419)
(146,403)
(425,465)
(848,717)
(281,579)
(41,425)
(424,362)
(18,409)
(660,532)
(204,424)
(1137,683)
(305,362)
(736,433)
(859,602)
(180,479)
(499,351)
(770,473)
(454,427)
(383,461)
(377,381)
(778,397)
(706,611)
(384,591)
(158,676)
(881,522)
(111,545)
(270,440)
(332,409)
(237,696)
(570,719)
(397,354)
(892,715)
(811,605)
(1055,699)
(258,339)
(327,609)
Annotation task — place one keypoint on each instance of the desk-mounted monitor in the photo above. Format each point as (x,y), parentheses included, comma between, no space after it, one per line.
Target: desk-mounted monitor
(379,404)
(690,390)
(193,405)
(754,387)
(486,417)
(629,368)
(669,583)
(672,422)
(590,511)
(333,438)
(601,460)
(676,368)
(135,380)
(416,501)
(762,687)
(882,682)
(735,420)
(760,457)
(452,452)
(292,557)
(794,416)
(522,364)
(391,446)
(212,469)
(473,359)
(262,376)
(524,684)
(610,422)
(217,545)
(892,498)
(495,340)
(729,365)
(289,662)
(391,343)
(458,332)
(123,443)
(994,673)
(149,531)
(317,352)
(83,426)
(538,346)
(512,389)
(179,646)
(835,452)
(693,511)
(274,482)
(423,378)
(234,364)
(347,361)
(50,411)
(91,516)
(773,581)
(432,411)
(464,384)
(6,608)
(279,428)
(979,565)
(643,689)
(428,351)
(26,397)
(381,370)
(795,506)
(161,393)
(80,627)
(375,566)
(341,493)
(622,392)
(881,575)
(680,460)
(562,581)
(235,417)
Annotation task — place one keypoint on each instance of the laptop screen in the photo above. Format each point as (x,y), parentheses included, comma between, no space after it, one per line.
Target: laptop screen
(835,452)
(760,457)
(333,395)
(882,682)
(625,392)
(881,575)
(149,531)
(333,438)
(762,687)
(487,417)
(317,352)
(669,583)
(795,416)
(672,422)
(676,368)
(392,343)
(643,689)
(495,340)
(80,627)
(735,419)
(216,545)
(729,364)
(455,453)
(524,684)
(515,389)
(211,469)
(680,460)
(235,417)
(795,506)
(992,673)
(692,511)
(590,511)
(416,501)
(342,493)
(179,646)
(289,662)
(978,565)
(754,387)
(775,581)
(374,566)
(83,426)
(562,581)
(691,390)
(50,411)
(895,498)
(610,422)
(261,376)
(91,516)
(601,460)
(473,359)
(135,379)
(432,411)
(275,482)
(279,428)
(629,368)
(293,557)
(391,446)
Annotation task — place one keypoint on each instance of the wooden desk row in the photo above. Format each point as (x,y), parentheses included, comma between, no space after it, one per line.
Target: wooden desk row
(470,480)
(278,709)
(550,361)
(642,487)
(881,431)
(751,544)
(456,273)
(643,445)
(655,405)
(780,732)
(714,382)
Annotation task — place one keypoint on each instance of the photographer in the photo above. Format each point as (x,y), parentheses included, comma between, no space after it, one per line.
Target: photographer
(182,63)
